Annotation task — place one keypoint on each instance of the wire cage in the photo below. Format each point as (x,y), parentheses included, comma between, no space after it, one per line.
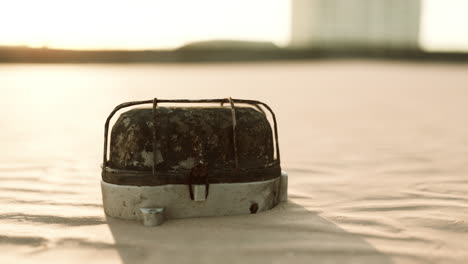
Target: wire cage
(190,154)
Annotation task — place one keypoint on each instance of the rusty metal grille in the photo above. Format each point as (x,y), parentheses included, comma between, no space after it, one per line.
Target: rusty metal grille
(226,175)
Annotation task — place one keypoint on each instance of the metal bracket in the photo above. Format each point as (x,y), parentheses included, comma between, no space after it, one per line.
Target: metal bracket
(198,182)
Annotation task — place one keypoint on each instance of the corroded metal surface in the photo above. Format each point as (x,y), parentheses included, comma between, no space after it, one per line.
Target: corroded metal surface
(146,178)
(169,145)
(189,135)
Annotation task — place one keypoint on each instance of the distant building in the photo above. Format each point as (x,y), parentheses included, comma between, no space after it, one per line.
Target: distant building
(337,24)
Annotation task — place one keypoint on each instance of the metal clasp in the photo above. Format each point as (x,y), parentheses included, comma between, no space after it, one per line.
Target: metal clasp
(198,182)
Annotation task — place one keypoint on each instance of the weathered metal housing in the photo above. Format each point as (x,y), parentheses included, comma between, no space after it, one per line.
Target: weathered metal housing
(186,161)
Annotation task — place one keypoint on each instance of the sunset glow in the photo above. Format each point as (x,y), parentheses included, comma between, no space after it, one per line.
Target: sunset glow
(156,24)
(141,24)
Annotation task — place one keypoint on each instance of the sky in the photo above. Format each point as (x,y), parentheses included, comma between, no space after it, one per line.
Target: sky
(151,24)
(140,24)
(444,25)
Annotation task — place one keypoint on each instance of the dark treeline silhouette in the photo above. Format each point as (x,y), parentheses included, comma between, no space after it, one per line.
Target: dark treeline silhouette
(213,51)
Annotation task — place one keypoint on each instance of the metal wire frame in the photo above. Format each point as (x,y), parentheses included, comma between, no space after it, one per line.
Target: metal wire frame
(155,103)
(234,132)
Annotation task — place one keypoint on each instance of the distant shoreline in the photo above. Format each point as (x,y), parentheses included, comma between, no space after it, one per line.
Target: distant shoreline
(46,55)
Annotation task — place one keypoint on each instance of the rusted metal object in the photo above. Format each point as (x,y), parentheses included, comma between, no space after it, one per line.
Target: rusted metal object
(182,137)
(223,147)
(186,136)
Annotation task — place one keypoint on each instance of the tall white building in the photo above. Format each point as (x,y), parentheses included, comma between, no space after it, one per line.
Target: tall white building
(337,24)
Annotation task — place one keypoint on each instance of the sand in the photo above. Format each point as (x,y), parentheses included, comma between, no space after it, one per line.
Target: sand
(376,152)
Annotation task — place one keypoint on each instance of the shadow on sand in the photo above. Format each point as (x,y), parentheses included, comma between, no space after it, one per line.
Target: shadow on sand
(286,234)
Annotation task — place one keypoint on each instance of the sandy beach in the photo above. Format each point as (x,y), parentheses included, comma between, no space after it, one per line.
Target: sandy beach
(376,153)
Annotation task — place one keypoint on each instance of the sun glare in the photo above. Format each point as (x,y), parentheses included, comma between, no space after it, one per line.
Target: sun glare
(160,24)
(444,25)
(140,24)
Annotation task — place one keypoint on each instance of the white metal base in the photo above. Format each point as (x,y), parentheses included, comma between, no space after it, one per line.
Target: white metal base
(153,204)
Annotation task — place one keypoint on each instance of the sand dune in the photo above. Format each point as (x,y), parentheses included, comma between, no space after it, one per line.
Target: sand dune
(377,156)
